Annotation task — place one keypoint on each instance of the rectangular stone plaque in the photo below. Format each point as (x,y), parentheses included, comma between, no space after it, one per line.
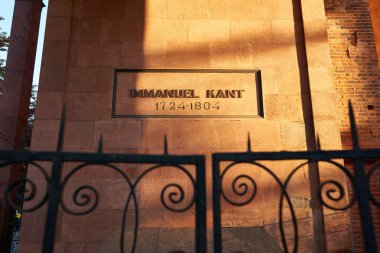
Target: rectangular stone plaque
(185,93)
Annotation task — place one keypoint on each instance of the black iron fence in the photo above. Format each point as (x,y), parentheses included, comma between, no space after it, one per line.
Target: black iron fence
(240,190)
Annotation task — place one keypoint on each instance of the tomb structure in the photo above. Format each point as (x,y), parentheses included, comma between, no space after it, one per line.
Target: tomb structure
(205,74)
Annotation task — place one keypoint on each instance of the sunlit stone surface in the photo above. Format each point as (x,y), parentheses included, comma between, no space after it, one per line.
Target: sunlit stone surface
(86,40)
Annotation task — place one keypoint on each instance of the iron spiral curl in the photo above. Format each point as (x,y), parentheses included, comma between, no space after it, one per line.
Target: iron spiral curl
(80,197)
(241,186)
(176,197)
(336,192)
(15,190)
(174,192)
(241,189)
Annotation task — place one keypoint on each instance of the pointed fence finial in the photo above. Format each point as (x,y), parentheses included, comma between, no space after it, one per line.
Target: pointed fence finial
(318,143)
(100,145)
(166,145)
(354,131)
(249,143)
(61,129)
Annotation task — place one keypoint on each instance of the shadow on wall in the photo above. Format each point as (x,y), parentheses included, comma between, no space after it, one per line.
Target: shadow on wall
(273,49)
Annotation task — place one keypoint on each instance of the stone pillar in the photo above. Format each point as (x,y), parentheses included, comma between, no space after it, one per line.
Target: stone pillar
(14,103)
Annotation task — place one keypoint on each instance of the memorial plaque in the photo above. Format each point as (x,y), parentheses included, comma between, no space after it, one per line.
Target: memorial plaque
(176,93)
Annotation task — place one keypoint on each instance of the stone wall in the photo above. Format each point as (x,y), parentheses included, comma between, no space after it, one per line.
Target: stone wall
(87,39)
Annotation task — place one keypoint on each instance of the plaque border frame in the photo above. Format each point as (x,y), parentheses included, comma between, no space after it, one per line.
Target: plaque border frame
(259,92)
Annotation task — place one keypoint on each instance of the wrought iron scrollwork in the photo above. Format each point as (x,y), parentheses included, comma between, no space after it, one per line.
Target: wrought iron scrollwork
(25,190)
(82,199)
(87,197)
(175,197)
(336,191)
(245,187)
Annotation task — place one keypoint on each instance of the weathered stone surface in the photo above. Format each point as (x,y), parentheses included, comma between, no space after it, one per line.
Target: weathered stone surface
(78,70)
(187,55)
(254,239)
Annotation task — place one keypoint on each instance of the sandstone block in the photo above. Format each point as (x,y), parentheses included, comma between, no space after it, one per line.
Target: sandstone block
(91,227)
(55,53)
(58,28)
(60,8)
(313,9)
(255,31)
(45,134)
(284,31)
(293,135)
(316,30)
(221,135)
(203,30)
(262,9)
(79,134)
(269,81)
(150,54)
(52,79)
(324,105)
(283,9)
(179,220)
(118,134)
(284,107)
(153,134)
(49,105)
(34,224)
(175,30)
(328,132)
(73,54)
(264,55)
(224,55)
(240,9)
(81,79)
(267,133)
(192,55)
(318,54)
(87,29)
(99,9)
(320,79)
(91,106)
(102,54)
(288,79)
(105,79)
(339,241)
(186,8)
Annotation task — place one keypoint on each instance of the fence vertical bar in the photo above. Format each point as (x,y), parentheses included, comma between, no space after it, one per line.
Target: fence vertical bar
(362,190)
(54,188)
(201,210)
(216,204)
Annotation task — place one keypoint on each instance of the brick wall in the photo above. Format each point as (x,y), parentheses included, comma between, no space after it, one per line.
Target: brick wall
(356,76)
(374,6)
(355,69)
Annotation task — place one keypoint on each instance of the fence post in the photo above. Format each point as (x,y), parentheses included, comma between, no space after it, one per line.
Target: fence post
(362,190)
(216,204)
(54,188)
(201,210)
